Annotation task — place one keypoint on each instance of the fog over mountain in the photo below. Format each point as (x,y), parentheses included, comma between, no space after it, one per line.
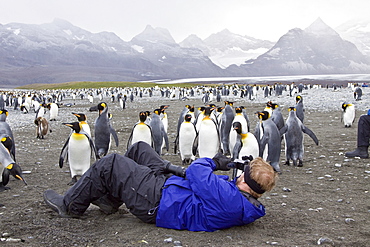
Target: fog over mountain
(357,32)
(59,52)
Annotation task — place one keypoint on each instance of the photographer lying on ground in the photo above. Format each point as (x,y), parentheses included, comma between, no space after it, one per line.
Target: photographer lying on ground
(195,199)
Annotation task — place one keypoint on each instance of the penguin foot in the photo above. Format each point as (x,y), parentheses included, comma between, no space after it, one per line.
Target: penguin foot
(73,181)
(3,188)
(287,163)
(300,163)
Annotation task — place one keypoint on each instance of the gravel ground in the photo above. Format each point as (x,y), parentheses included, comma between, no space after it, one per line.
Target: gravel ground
(326,201)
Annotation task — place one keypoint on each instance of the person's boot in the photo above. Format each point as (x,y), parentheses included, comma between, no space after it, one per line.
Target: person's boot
(360,151)
(105,205)
(56,203)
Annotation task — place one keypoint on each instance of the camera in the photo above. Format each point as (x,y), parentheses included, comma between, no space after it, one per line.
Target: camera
(239,164)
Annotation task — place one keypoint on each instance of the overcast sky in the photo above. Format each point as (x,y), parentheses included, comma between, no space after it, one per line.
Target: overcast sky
(264,19)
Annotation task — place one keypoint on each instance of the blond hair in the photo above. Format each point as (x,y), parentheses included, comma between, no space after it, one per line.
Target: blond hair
(263,173)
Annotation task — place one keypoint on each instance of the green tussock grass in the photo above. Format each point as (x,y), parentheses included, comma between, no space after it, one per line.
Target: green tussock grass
(107,84)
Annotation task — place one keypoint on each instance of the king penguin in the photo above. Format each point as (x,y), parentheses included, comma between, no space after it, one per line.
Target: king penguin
(293,136)
(164,119)
(8,166)
(269,139)
(246,144)
(141,131)
(276,115)
(348,114)
(81,117)
(207,142)
(158,131)
(299,107)
(184,111)
(78,149)
(103,129)
(6,130)
(185,139)
(53,110)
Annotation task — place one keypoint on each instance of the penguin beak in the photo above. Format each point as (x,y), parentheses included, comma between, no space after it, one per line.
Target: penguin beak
(93,108)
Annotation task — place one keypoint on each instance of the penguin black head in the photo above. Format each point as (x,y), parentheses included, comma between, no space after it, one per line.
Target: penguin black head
(187,118)
(16,171)
(211,105)
(292,108)
(345,105)
(208,111)
(163,107)
(4,112)
(7,142)
(100,107)
(274,106)
(237,126)
(263,115)
(238,110)
(219,109)
(157,111)
(75,126)
(142,116)
(269,104)
(298,98)
(80,116)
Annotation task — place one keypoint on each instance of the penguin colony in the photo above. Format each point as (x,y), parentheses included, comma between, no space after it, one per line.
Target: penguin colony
(201,131)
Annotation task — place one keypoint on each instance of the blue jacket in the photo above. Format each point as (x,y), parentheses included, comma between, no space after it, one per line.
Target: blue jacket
(204,201)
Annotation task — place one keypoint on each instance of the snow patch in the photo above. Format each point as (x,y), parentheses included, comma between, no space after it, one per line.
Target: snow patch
(234,55)
(67,31)
(138,48)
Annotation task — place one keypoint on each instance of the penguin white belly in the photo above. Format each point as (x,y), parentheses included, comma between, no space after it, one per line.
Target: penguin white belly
(165,125)
(86,128)
(141,132)
(208,140)
(79,153)
(250,146)
(53,112)
(349,116)
(186,139)
(232,139)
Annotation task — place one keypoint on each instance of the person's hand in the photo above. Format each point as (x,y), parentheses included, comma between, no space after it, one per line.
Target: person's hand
(221,162)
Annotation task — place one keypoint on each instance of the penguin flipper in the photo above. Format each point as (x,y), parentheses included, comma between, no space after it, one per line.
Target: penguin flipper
(165,136)
(5,176)
(195,145)
(236,151)
(263,144)
(114,134)
(283,130)
(310,134)
(130,138)
(92,146)
(63,154)
(176,142)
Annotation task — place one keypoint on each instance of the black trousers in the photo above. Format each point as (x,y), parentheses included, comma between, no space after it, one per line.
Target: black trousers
(363,131)
(135,179)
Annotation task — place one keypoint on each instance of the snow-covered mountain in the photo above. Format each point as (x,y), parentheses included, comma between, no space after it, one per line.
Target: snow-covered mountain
(225,48)
(358,32)
(316,50)
(59,51)
(157,46)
